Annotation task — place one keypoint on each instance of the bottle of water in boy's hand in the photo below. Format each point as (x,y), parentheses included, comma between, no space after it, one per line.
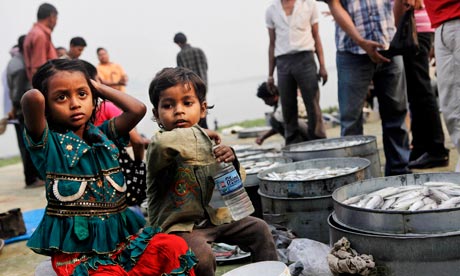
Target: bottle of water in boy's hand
(230,186)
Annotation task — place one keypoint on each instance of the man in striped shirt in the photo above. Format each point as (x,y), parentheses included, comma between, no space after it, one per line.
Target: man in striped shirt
(363,30)
(194,59)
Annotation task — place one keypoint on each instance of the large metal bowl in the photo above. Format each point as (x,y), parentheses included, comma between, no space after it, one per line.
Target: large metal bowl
(362,146)
(305,216)
(391,221)
(396,255)
(312,188)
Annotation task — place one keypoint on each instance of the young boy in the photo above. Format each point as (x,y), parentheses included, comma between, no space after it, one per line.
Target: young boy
(179,174)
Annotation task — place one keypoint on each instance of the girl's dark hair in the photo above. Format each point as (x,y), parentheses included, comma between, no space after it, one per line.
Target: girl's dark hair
(50,68)
(169,77)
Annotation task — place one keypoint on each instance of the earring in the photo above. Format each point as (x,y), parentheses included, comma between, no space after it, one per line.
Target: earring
(161,125)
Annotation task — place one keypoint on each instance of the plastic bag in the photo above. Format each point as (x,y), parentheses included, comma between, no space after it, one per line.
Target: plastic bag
(405,40)
(309,254)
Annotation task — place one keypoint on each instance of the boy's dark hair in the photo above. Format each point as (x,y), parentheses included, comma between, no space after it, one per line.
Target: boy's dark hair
(78,41)
(50,68)
(21,43)
(46,10)
(180,38)
(169,77)
(264,91)
(100,49)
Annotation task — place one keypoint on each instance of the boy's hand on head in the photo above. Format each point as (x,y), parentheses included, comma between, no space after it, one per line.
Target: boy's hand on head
(213,135)
(224,153)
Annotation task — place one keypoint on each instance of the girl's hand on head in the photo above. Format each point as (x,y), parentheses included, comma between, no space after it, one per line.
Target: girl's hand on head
(224,153)
(101,88)
(213,135)
(96,83)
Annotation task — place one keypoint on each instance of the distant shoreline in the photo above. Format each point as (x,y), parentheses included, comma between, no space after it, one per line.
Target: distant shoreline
(6,161)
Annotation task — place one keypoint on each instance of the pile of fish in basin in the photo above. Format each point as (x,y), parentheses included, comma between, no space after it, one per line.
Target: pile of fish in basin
(409,223)
(298,195)
(363,146)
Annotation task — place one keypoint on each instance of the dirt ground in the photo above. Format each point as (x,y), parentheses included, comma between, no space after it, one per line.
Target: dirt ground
(17,260)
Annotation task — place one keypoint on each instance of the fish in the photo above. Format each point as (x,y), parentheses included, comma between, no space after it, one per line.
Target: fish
(388,203)
(353,199)
(450,203)
(405,204)
(385,192)
(450,191)
(363,202)
(374,202)
(416,205)
(428,200)
(410,195)
(398,195)
(438,195)
(430,206)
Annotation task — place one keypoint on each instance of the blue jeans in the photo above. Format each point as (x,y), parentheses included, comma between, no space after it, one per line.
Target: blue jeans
(355,73)
(299,71)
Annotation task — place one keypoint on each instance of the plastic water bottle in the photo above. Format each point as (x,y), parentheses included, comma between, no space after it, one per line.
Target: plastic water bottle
(230,186)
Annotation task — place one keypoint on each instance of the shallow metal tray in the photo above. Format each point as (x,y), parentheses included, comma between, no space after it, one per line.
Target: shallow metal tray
(318,187)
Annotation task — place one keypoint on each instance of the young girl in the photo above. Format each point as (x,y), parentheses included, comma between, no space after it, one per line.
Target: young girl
(179,174)
(87,228)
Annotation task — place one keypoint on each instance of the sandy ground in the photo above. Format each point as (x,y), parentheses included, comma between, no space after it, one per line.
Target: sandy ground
(17,260)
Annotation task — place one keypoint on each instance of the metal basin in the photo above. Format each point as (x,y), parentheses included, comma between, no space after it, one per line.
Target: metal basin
(311,188)
(391,221)
(251,184)
(363,146)
(397,255)
(305,216)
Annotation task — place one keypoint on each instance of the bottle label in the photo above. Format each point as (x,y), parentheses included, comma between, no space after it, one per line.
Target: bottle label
(228,182)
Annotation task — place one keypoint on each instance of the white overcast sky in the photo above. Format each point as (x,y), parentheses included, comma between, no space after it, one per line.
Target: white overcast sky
(138,35)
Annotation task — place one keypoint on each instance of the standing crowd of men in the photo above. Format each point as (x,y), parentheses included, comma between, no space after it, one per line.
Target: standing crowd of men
(295,49)
(362,58)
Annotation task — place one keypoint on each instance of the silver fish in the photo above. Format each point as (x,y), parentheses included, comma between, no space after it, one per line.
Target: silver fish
(385,192)
(438,195)
(404,205)
(353,199)
(374,202)
(450,203)
(388,203)
(417,205)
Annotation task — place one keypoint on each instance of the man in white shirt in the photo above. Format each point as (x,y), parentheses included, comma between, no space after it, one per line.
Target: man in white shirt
(294,39)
